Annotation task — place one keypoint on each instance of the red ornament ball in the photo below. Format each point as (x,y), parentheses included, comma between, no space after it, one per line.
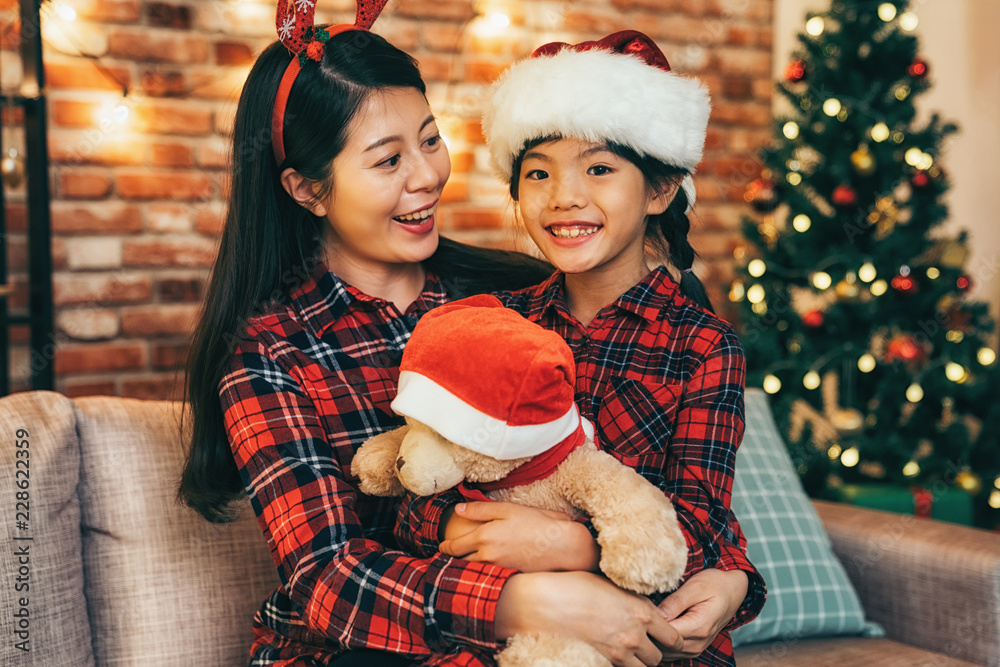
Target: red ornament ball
(813,319)
(904,348)
(921,179)
(964,283)
(761,195)
(918,69)
(796,71)
(904,284)
(844,195)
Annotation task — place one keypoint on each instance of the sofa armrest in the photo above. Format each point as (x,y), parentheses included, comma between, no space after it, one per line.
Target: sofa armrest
(928,583)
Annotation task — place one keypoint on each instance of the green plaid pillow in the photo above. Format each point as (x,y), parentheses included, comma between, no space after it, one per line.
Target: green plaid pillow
(808,592)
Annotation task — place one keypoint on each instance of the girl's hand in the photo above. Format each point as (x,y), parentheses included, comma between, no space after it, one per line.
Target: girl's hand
(519,537)
(702,606)
(626,628)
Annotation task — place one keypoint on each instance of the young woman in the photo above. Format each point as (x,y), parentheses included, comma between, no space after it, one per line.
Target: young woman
(603,189)
(329,255)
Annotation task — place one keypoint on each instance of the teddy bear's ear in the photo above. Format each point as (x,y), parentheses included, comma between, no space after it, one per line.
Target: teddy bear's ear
(374,464)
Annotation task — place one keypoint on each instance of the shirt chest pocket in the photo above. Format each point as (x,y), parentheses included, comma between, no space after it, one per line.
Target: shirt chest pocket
(637,417)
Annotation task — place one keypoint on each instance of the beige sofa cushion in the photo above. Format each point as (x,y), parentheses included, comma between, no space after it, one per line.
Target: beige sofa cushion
(58,631)
(141,544)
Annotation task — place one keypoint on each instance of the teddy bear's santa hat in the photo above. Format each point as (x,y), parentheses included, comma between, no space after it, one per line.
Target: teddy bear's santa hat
(491,381)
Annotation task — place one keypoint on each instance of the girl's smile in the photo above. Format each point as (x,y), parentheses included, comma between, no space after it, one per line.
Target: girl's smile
(586,208)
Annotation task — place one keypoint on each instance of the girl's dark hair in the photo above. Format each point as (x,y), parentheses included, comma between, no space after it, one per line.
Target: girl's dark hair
(270,244)
(666,232)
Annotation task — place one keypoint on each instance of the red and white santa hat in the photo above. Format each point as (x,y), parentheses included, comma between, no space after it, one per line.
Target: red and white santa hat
(617,89)
(489,380)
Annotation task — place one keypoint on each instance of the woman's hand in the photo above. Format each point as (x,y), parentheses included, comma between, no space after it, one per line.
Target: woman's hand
(702,606)
(626,628)
(519,537)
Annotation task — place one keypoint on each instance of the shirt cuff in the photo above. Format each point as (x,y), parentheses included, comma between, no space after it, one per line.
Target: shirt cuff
(462,606)
(733,558)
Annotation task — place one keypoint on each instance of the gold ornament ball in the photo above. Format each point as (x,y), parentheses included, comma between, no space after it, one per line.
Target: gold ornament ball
(12,169)
(969,482)
(863,162)
(848,421)
(847,289)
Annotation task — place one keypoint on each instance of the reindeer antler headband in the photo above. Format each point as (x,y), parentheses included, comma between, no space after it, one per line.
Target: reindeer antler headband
(296,30)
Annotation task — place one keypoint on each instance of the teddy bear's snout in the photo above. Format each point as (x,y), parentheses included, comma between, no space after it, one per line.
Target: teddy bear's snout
(400,462)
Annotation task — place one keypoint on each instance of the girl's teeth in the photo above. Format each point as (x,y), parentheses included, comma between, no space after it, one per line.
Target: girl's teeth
(565,233)
(419,215)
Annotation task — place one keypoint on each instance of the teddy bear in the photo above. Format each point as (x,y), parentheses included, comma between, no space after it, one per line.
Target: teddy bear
(488,401)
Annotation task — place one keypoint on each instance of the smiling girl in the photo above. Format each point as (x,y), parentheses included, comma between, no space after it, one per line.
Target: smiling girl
(598,142)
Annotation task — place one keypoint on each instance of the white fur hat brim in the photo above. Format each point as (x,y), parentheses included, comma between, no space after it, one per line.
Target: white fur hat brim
(598,95)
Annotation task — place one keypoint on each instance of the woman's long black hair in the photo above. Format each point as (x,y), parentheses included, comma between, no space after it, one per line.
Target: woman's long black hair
(270,244)
(666,232)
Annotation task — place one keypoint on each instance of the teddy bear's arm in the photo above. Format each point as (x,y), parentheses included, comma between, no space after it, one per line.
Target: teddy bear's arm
(375,463)
(642,546)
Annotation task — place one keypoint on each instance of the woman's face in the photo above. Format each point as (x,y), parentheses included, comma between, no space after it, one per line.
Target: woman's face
(386,185)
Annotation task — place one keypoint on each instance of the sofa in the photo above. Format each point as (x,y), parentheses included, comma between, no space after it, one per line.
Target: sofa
(102,565)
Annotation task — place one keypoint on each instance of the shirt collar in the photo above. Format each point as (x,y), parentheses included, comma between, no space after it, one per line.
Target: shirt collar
(323,298)
(647,299)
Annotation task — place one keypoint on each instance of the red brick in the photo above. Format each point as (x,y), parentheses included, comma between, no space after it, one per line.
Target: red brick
(737,87)
(174,252)
(159,320)
(218,83)
(214,155)
(93,252)
(169,356)
(172,155)
(472,131)
(160,47)
(58,254)
(72,113)
(657,5)
(741,35)
(446,37)
(734,61)
(78,388)
(594,21)
(180,290)
(480,71)
(164,84)
(492,44)
(86,74)
(79,184)
(93,147)
(463,163)
(158,118)
(104,218)
(99,358)
(475,218)
(746,167)
(434,67)
(741,113)
(234,53)
(74,289)
(209,221)
(694,30)
(163,15)
(17,254)
(455,10)
(455,190)
(176,186)
(108,11)
(401,34)
(16,216)
(158,388)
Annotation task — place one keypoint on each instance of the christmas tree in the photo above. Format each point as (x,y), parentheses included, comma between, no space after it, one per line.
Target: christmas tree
(853,314)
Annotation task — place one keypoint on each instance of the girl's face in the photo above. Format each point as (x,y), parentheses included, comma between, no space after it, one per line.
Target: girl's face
(387,183)
(586,207)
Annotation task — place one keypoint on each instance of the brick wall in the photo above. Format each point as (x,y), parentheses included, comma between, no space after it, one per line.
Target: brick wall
(139,182)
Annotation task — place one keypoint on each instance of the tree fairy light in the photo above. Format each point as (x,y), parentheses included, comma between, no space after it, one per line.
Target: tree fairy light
(866,363)
(811,380)
(986,356)
(801,222)
(772,384)
(911,469)
(832,107)
(914,393)
(867,272)
(755,294)
(879,287)
(908,21)
(821,280)
(850,458)
(790,130)
(815,26)
(756,268)
(887,11)
(880,132)
(955,372)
